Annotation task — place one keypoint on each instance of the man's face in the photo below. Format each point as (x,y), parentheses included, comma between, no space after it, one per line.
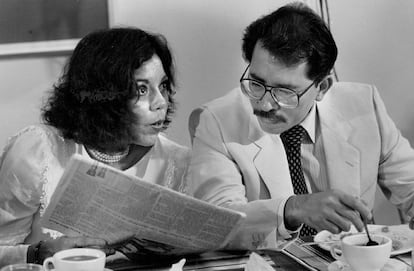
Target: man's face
(270,71)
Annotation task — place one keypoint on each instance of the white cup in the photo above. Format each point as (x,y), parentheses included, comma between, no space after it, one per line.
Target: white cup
(77,259)
(360,257)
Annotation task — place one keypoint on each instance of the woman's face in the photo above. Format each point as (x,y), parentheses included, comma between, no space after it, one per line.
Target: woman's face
(151,107)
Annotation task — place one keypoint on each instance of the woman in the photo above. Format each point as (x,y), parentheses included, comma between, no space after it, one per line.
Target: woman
(111,104)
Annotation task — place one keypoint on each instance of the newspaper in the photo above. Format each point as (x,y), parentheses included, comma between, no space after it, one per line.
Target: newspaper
(134,216)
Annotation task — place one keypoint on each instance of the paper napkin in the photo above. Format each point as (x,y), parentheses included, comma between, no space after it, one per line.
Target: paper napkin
(178,266)
(257,263)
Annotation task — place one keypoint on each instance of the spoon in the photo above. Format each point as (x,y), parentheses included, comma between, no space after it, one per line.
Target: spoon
(318,243)
(370,241)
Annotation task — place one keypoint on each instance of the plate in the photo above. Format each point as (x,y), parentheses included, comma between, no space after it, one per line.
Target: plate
(392,265)
(401,235)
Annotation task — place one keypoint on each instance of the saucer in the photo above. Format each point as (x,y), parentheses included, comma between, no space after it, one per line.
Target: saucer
(106,269)
(401,235)
(392,265)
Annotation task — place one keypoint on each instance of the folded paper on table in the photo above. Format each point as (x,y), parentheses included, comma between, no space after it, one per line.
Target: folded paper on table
(308,256)
(94,199)
(178,266)
(257,263)
(212,260)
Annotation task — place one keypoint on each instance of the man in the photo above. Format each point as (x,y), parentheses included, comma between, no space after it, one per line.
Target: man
(292,149)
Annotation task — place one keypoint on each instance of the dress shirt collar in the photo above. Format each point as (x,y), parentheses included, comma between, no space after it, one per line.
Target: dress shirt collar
(309,123)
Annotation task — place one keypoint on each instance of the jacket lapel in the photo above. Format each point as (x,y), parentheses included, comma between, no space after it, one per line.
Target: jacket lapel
(342,158)
(270,160)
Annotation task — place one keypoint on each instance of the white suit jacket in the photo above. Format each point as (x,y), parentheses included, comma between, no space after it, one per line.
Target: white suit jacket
(236,165)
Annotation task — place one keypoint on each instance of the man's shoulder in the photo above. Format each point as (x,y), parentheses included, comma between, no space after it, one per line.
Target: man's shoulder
(231,114)
(349,93)
(232,103)
(350,99)
(351,89)
(231,98)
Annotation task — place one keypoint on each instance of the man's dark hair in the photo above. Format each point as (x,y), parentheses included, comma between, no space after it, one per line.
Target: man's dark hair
(91,103)
(294,34)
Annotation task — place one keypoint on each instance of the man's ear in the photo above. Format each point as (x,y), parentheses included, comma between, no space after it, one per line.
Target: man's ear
(324,86)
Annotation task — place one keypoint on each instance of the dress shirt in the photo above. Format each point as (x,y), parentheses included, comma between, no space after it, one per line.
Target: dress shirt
(313,155)
(313,162)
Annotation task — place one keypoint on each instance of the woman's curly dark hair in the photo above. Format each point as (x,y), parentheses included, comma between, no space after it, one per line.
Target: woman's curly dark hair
(91,103)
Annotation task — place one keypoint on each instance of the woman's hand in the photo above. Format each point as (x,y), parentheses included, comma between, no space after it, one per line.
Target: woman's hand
(411,223)
(49,247)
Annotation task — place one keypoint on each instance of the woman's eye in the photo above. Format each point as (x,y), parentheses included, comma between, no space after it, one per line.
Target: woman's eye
(142,90)
(165,87)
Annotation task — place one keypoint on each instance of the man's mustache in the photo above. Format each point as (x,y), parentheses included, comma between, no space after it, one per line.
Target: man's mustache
(263,114)
(268,114)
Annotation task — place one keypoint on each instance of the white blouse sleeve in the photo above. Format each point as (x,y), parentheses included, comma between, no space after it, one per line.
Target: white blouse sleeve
(177,160)
(23,166)
(13,254)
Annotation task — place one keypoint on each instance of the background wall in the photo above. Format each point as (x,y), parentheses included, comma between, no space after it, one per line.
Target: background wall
(375,40)
(23,83)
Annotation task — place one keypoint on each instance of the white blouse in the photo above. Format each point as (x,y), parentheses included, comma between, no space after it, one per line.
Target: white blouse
(30,168)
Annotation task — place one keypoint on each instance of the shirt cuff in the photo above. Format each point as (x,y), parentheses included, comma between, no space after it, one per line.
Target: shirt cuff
(24,249)
(283,231)
(12,254)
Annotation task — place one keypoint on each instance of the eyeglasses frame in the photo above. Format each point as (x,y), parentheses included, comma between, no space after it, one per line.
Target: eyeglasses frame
(270,88)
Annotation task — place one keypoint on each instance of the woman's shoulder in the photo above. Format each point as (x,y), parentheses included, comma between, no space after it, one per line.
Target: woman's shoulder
(29,157)
(36,142)
(28,162)
(173,148)
(177,158)
(33,135)
(35,132)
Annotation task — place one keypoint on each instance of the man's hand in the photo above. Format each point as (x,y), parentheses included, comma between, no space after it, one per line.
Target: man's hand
(332,210)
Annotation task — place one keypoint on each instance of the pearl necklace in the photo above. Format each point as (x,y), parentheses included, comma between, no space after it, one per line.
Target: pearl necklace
(108,158)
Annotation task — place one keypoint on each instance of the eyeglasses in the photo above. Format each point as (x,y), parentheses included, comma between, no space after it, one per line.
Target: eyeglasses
(284,97)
